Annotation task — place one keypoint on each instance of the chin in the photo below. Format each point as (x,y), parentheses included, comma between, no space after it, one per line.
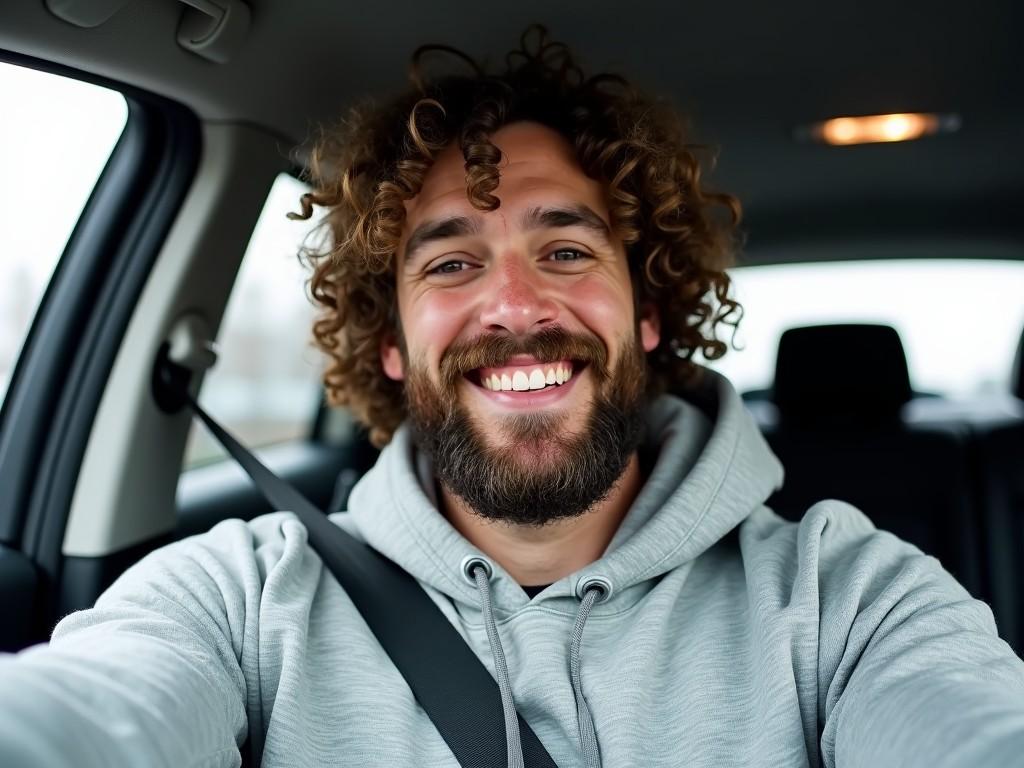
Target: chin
(537,435)
(534,453)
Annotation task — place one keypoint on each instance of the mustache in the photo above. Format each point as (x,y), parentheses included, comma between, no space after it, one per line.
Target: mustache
(494,349)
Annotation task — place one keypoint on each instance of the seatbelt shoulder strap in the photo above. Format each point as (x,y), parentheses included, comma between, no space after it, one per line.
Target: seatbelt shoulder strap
(448,680)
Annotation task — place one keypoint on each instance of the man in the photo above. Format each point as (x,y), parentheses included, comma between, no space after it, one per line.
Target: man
(520,266)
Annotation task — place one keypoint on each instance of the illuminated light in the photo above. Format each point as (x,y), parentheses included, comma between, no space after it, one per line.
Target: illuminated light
(872,129)
(842,130)
(902,128)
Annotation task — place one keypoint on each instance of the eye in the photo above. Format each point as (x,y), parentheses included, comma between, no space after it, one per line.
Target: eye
(448,267)
(568,254)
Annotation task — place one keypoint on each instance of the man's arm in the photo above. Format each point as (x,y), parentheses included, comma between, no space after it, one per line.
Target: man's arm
(911,670)
(151,675)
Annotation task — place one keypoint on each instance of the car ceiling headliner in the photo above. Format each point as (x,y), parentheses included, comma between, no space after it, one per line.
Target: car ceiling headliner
(747,73)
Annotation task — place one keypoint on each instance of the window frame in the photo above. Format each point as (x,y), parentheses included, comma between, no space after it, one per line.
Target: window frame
(313,426)
(69,349)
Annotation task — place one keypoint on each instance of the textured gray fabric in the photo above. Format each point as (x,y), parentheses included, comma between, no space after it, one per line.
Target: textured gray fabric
(585,724)
(508,705)
(730,637)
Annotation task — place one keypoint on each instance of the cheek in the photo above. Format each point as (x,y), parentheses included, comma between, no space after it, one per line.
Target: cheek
(602,306)
(431,322)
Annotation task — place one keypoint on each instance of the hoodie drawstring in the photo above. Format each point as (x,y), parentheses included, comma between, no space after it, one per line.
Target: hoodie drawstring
(592,592)
(585,721)
(515,748)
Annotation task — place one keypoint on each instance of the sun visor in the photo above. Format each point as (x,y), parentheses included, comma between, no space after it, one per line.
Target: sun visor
(212,29)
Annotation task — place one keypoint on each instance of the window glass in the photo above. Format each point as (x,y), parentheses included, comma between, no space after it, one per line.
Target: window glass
(56,135)
(265,387)
(960,320)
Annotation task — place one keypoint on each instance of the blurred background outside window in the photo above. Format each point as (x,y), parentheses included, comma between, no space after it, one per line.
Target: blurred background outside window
(960,320)
(265,387)
(56,135)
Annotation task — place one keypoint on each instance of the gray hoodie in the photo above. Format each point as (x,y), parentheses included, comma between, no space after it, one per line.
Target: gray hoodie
(725,636)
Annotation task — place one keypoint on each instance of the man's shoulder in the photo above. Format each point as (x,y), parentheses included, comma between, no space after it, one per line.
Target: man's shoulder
(267,532)
(235,556)
(836,551)
(235,537)
(827,526)
(239,550)
(836,564)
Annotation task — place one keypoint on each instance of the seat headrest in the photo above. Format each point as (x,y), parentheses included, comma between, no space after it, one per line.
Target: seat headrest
(841,375)
(1017,376)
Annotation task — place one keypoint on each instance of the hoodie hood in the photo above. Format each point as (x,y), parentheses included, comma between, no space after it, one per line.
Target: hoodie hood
(713,468)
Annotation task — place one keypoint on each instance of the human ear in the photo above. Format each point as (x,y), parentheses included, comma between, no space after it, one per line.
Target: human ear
(391,358)
(650,326)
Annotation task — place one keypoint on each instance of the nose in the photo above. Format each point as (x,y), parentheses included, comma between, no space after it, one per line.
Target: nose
(517,301)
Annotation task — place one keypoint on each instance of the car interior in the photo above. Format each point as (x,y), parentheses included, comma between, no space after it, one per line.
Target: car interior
(224,97)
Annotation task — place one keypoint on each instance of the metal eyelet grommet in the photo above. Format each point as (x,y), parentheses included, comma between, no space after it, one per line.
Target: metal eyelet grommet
(594,582)
(470,563)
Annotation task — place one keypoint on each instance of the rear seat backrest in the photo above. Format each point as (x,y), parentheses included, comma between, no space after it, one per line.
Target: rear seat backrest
(1000,479)
(840,376)
(839,390)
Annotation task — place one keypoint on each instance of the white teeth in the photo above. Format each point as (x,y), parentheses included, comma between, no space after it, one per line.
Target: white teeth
(522,381)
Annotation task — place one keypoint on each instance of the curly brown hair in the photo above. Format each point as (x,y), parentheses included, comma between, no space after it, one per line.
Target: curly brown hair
(679,237)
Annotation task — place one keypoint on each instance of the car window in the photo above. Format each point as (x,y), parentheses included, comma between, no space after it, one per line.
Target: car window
(56,136)
(960,320)
(265,387)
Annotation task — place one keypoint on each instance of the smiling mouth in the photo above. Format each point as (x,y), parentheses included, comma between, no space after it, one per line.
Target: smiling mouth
(529,377)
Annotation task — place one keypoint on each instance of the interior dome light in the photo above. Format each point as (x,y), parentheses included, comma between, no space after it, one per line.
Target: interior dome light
(871,129)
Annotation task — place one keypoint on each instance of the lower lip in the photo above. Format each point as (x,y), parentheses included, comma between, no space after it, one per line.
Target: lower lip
(529,399)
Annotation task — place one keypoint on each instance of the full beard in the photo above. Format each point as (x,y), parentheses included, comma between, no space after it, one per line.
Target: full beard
(540,474)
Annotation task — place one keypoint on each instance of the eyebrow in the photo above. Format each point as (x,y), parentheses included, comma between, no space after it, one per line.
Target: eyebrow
(534,218)
(440,229)
(570,216)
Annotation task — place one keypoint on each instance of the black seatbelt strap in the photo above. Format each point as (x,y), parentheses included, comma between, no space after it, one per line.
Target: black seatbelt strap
(446,677)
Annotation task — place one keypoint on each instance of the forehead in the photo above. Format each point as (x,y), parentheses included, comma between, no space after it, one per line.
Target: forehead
(538,166)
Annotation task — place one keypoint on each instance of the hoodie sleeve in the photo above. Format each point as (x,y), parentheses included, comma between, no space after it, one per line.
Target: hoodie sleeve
(911,670)
(151,675)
